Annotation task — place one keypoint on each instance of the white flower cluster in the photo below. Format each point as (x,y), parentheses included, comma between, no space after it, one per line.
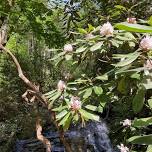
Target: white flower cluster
(75,103)
(106,29)
(131,20)
(61,86)
(146,43)
(126,123)
(123,148)
(68,48)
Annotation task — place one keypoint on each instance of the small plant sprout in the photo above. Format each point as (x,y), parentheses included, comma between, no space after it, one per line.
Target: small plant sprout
(61,86)
(106,29)
(146,43)
(68,48)
(123,148)
(75,103)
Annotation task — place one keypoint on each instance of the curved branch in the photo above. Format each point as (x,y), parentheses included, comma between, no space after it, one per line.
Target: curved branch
(40,137)
(38,94)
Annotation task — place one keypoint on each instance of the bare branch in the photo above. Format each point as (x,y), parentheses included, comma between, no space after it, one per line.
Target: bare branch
(40,137)
(38,94)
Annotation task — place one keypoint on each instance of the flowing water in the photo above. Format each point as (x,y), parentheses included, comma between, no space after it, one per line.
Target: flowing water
(92,138)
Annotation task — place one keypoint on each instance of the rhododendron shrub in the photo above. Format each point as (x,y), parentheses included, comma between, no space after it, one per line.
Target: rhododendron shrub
(109,65)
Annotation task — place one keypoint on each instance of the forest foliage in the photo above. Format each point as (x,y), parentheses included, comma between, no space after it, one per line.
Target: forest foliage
(92,60)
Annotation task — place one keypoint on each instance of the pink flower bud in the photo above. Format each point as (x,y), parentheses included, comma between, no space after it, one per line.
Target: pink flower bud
(68,48)
(148,64)
(146,43)
(106,29)
(61,86)
(126,123)
(123,148)
(75,103)
(131,20)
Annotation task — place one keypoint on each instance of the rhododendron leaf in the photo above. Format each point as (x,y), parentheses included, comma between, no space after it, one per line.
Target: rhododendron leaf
(91,28)
(132,57)
(102,77)
(61,114)
(122,86)
(150,103)
(87,93)
(88,115)
(68,57)
(142,140)
(76,117)
(96,46)
(91,107)
(142,122)
(114,43)
(100,109)
(51,93)
(149,148)
(58,55)
(135,76)
(81,30)
(98,90)
(147,81)
(120,7)
(138,101)
(150,21)
(67,123)
(134,27)
(63,121)
(55,96)
(81,49)
(60,108)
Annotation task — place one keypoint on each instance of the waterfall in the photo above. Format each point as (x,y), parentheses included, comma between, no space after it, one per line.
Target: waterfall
(91,138)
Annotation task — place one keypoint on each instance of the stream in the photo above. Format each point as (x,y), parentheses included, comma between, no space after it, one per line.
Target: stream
(92,138)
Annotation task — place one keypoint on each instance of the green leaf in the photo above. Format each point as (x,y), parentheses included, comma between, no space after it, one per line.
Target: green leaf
(87,93)
(149,148)
(67,123)
(114,43)
(142,122)
(68,57)
(50,94)
(88,115)
(81,30)
(138,101)
(134,27)
(102,77)
(135,76)
(142,140)
(132,57)
(58,55)
(100,109)
(63,121)
(147,81)
(120,7)
(98,90)
(150,103)
(91,107)
(150,21)
(81,49)
(61,114)
(96,46)
(91,28)
(122,86)
(59,108)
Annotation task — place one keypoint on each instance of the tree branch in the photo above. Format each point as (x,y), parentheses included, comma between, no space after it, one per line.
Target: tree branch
(40,137)
(38,94)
